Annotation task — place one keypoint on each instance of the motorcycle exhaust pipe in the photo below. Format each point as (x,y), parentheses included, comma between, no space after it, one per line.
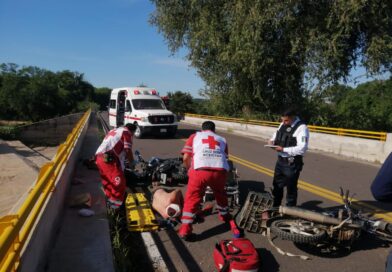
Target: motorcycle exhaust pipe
(309,215)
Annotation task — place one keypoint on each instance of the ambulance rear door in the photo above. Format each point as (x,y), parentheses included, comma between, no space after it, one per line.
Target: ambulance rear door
(112,112)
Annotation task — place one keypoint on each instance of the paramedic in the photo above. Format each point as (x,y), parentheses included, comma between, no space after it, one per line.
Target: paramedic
(205,156)
(110,160)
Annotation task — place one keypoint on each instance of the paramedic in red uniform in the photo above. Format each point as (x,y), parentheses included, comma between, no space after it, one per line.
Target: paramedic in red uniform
(110,159)
(205,155)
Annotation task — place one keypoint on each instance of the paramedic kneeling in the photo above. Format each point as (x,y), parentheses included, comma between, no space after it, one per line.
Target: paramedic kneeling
(110,160)
(291,140)
(205,155)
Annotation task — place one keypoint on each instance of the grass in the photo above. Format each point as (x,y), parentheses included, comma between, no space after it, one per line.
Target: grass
(8,132)
(129,253)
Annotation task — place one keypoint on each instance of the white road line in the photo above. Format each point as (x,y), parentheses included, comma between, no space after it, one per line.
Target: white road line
(155,256)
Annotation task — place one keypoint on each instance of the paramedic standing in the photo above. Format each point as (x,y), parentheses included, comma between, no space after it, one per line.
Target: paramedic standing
(205,156)
(291,139)
(110,160)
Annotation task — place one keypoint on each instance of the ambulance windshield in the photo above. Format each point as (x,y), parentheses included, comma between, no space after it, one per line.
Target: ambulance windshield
(150,104)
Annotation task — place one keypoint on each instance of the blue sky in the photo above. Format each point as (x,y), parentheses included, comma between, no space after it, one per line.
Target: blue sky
(109,41)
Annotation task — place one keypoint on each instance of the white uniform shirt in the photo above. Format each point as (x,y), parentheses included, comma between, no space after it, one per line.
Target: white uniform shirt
(209,151)
(117,140)
(302,136)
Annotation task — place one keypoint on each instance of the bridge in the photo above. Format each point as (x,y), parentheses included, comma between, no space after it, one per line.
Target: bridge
(43,233)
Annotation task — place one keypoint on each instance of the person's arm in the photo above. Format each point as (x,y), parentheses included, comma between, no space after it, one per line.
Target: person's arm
(129,154)
(127,140)
(271,141)
(187,160)
(302,136)
(187,152)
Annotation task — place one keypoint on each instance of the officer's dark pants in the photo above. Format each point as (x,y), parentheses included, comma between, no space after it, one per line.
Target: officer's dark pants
(286,175)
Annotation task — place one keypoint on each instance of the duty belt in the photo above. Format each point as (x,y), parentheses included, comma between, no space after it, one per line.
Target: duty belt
(289,159)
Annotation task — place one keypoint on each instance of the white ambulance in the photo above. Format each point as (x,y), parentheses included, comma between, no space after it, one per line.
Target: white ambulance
(143,107)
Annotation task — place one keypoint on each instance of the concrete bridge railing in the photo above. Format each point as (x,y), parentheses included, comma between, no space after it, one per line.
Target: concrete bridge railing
(357,148)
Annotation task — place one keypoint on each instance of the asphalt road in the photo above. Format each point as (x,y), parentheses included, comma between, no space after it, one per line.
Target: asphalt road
(320,180)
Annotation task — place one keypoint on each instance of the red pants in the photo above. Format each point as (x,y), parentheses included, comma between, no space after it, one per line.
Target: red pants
(113,180)
(197,183)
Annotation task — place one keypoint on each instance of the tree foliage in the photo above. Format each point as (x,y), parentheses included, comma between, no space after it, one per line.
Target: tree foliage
(31,93)
(258,54)
(180,102)
(101,97)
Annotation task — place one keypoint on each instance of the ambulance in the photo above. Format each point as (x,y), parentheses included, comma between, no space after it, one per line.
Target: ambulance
(143,107)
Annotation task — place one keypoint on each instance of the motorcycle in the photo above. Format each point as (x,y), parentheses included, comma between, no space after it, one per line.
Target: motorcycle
(330,230)
(156,170)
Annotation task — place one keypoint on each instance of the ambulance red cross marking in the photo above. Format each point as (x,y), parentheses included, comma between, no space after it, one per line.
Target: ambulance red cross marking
(211,142)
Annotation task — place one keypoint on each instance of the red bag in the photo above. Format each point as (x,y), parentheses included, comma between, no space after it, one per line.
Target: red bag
(237,255)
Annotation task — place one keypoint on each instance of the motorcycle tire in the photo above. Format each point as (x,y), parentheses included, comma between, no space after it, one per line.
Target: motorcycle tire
(298,231)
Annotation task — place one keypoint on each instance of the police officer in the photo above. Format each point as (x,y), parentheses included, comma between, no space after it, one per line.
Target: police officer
(291,140)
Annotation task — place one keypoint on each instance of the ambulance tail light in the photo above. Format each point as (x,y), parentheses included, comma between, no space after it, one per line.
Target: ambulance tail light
(154,92)
(136,92)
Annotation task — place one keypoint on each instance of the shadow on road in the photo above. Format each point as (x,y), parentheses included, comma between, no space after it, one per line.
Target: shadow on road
(184,133)
(211,232)
(182,250)
(267,260)
(245,186)
(381,207)
(312,205)
(365,242)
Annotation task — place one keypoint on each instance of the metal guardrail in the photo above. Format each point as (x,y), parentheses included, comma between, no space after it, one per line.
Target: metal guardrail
(15,228)
(381,136)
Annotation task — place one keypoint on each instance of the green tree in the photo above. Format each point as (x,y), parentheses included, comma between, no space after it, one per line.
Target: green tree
(259,53)
(180,102)
(31,93)
(102,97)
(367,107)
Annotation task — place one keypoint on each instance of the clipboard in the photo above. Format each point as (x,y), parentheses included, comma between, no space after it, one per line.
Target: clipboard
(271,146)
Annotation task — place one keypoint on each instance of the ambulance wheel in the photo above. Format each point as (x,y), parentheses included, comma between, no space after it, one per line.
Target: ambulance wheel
(138,132)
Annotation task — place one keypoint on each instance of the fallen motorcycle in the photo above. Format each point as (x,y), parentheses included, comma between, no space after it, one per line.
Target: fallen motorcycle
(330,230)
(156,170)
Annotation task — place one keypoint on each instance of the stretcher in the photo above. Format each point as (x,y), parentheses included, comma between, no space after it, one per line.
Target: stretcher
(140,216)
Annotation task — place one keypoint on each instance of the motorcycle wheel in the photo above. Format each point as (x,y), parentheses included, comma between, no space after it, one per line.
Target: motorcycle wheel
(298,230)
